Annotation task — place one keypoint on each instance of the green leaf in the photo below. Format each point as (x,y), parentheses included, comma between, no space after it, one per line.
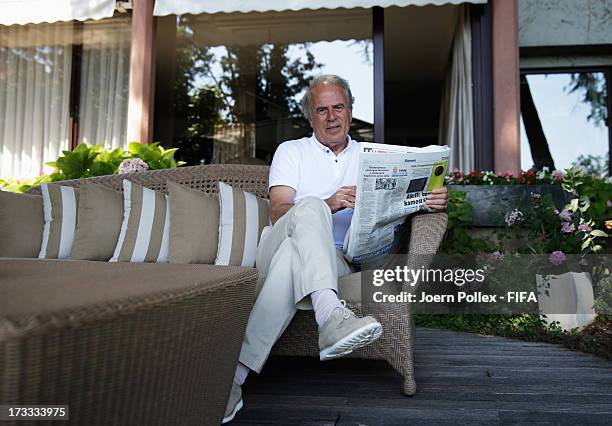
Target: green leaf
(598,233)
(169,153)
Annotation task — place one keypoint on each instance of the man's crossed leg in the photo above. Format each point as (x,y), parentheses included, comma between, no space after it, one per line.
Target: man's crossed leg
(299,268)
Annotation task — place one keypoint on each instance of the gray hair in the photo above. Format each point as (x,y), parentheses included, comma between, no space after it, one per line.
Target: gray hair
(325,79)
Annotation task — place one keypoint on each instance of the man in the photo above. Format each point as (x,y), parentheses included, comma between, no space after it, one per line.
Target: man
(312,196)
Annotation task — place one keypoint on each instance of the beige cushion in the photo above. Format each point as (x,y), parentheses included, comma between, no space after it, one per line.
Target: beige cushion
(242,218)
(60,205)
(194,228)
(99,219)
(145,226)
(21,224)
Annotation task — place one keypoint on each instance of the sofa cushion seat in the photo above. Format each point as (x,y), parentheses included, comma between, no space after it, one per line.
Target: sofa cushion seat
(38,286)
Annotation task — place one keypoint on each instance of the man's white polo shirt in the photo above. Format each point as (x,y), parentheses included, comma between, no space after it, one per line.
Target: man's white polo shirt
(312,169)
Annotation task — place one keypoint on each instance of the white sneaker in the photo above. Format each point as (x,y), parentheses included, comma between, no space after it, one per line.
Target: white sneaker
(234,403)
(343,332)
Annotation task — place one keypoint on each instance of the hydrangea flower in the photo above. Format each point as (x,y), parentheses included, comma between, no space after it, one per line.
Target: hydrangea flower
(515,216)
(566,215)
(132,165)
(568,228)
(557,176)
(584,227)
(556,257)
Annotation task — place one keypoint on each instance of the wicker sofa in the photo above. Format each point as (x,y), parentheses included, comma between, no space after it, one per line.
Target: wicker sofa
(42,361)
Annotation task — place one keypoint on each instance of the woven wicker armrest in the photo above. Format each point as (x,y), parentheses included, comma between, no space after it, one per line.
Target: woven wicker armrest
(157,350)
(427,232)
(418,243)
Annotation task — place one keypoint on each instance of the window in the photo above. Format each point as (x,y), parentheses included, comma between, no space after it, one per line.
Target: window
(60,84)
(232,92)
(565,120)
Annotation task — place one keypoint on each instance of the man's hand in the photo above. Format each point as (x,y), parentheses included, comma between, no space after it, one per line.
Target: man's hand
(438,199)
(342,199)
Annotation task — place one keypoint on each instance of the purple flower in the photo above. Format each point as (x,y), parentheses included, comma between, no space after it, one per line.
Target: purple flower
(131,165)
(556,257)
(566,215)
(568,228)
(585,228)
(496,256)
(557,175)
(515,216)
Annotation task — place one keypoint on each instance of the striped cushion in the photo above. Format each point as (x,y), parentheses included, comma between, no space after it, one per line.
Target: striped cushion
(60,204)
(242,218)
(145,226)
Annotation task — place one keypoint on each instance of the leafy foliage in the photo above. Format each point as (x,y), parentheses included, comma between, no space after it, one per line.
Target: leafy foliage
(458,240)
(87,161)
(13,185)
(154,155)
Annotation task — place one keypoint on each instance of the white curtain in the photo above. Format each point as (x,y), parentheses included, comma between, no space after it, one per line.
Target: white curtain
(104,88)
(34,98)
(457,109)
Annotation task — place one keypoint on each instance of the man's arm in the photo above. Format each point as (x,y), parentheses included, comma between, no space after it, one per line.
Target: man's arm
(281,200)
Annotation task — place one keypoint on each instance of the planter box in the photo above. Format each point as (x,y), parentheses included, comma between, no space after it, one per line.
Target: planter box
(491,202)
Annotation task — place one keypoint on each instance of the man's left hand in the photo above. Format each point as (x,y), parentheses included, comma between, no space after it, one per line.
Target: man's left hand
(438,199)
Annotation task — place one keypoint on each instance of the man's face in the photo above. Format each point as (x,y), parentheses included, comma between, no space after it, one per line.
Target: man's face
(331,114)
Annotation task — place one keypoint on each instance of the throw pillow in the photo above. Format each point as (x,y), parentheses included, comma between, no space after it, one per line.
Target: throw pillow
(99,219)
(144,230)
(194,228)
(60,204)
(242,218)
(21,224)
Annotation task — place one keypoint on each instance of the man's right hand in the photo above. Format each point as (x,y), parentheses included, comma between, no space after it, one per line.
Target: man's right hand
(342,199)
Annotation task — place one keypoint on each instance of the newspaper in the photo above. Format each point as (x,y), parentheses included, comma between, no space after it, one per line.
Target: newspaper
(393,182)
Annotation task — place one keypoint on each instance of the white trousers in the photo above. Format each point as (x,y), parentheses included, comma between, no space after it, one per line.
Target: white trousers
(295,257)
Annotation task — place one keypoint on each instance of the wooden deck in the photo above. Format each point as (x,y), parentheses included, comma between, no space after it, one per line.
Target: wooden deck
(461,378)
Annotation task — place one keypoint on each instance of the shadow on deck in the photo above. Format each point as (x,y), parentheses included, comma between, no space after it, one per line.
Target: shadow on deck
(461,378)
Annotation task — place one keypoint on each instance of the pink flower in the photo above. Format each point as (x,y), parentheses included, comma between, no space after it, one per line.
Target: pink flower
(556,257)
(568,228)
(496,256)
(585,228)
(515,216)
(566,215)
(557,175)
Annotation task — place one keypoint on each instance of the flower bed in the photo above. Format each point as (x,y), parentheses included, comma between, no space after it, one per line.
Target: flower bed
(531,219)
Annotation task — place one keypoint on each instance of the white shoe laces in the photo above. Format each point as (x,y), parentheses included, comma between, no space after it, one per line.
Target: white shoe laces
(346,312)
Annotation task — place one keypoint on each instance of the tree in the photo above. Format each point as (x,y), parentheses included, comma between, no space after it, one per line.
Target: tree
(594,91)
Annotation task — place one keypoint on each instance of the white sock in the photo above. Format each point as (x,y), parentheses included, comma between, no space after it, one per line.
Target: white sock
(242,371)
(324,302)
